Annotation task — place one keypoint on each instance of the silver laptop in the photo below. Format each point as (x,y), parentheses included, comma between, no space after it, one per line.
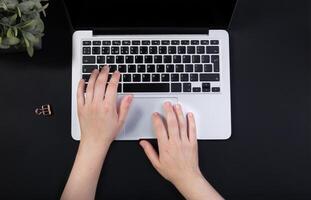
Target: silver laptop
(165,52)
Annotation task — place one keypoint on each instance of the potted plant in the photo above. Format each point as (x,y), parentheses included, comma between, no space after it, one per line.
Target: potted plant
(21,26)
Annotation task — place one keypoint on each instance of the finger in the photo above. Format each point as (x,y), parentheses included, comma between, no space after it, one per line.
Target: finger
(90,86)
(182,122)
(80,93)
(111,93)
(124,108)
(171,120)
(151,153)
(192,130)
(100,84)
(159,128)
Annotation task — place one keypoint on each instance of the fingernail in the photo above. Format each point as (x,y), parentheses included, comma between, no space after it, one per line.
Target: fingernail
(95,71)
(168,104)
(129,99)
(190,114)
(155,114)
(106,67)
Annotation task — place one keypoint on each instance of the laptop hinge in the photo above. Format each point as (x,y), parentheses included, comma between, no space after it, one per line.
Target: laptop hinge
(136,31)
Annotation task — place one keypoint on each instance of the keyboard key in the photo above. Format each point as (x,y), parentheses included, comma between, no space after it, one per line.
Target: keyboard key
(120,59)
(86,50)
(186,59)
(153,50)
(127,78)
(186,87)
(160,68)
(165,42)
(209,77)
(181,50)
(101,59)
(184,77)
(96,43)
(141,68)
(136,78)
(196,59)
(174,77)
(146,77)
(198,68)
(150,68)
(106,50)
(86,77)
(116,42)
(148,59)
(176,87)
(167,59)
(149,87)
(194,77)
(175,42)
(135,42)
(129,59)
(155,42)
(88,68)
(95,50)
(112,68)
(106,42)
(134,50)
(215,61)
(212,49)
(204,42)
(205,59)
(88,59)
(162,50)
(216,89)
(139,59)
(119,87)
(143,50)
(179,68)
(208,68)
(115,50)
(157,59)
(185,42)
(169,68)
(190,50)
(110,59)
(214,42)
(200,50)
(195,42)
(206,87)
(86,42)
(189,68)
(131,68)
(124,50)
(145,42)
(126,42)
(122,68)
(176,59)
(155,77)
(172,50)
(196,89)
(165,77)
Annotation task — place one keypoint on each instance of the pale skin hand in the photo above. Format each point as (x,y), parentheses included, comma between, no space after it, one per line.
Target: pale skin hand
(177,160)
(100,122)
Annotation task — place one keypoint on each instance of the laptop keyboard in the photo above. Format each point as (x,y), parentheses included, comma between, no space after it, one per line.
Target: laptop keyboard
(177,66)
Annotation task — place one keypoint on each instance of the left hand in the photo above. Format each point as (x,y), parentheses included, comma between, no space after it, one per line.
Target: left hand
(100,120)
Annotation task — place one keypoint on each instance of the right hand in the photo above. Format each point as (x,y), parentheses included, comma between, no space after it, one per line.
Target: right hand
(177,160)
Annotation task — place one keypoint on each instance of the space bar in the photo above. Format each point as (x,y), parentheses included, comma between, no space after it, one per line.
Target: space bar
(146,87)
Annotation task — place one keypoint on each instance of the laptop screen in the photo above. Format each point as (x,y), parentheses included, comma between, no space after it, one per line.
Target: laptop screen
(89,14)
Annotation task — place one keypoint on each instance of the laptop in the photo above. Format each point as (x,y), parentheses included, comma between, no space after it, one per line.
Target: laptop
(165,51)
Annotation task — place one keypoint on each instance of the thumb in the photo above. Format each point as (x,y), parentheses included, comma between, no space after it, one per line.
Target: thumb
(151,153)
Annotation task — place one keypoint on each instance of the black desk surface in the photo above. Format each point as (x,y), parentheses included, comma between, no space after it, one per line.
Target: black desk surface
(267,157)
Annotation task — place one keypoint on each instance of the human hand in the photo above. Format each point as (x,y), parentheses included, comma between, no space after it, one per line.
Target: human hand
(100,120)
(177,160)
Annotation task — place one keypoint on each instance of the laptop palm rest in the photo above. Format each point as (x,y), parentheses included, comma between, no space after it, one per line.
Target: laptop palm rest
(139,124)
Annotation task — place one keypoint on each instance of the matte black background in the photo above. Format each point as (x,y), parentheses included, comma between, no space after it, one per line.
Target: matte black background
(267,157)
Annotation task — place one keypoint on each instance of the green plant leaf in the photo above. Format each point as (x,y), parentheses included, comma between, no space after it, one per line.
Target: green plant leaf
(26,42)
(26,6)
(3,46)
(31,37)
(10,33)
(0,40)
(19,11)
(11,41)
(15,31)
(30,50)
(3,5)
(12,19)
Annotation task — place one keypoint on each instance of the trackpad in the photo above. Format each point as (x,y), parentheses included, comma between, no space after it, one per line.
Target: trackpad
(139,124)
